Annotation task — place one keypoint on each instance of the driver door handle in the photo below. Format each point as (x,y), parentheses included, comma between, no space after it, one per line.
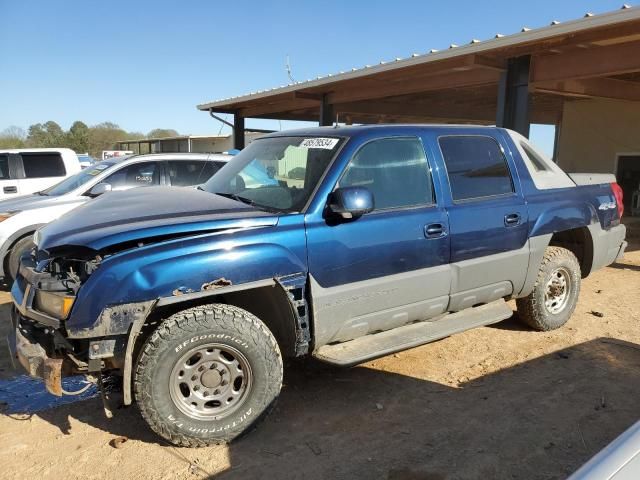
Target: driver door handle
(512,219)
(435,230)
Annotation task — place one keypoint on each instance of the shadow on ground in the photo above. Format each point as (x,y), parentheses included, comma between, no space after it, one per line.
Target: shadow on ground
(540,419)
(625,266)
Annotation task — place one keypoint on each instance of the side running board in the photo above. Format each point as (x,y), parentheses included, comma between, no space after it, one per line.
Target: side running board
(376,345)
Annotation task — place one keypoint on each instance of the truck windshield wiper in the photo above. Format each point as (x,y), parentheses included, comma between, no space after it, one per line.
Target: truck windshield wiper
(238,198)
(248,201)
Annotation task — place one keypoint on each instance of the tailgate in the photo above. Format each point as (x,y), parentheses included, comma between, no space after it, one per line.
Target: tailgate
(592,178)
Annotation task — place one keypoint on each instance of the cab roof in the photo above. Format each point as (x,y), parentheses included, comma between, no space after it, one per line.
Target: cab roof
(356,130)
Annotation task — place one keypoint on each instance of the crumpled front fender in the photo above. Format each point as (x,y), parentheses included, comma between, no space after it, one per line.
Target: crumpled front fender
(183,266)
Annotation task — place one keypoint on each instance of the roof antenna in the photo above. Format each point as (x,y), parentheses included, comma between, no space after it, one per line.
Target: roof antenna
(337,120)
(287,65)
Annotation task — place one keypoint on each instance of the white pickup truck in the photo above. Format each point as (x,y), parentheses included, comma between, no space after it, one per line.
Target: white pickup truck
(24,171)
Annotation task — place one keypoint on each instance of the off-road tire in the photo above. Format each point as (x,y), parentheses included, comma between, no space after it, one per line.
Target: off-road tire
(532,309)
(196,328)
(19,248)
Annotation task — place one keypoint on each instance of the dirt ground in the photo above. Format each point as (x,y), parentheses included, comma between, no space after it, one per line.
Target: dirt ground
(499,402)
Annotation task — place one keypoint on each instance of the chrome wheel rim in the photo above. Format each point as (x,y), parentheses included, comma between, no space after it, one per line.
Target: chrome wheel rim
(210,381)
(556,295)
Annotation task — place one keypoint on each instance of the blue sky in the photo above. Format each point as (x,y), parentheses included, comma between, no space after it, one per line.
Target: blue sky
(146,64)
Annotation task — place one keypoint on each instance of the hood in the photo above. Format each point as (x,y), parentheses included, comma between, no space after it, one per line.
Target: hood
(150,212)
(26,202)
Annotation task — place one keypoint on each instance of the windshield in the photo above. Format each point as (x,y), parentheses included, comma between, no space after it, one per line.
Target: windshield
(75,181)
(277,173)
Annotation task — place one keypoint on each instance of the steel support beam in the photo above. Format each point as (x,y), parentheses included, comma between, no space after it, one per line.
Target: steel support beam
(326,112)
(513,96)
(220,119)
(238,131)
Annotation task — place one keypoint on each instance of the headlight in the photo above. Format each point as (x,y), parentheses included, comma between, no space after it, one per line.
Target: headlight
(58,305)
(5,215)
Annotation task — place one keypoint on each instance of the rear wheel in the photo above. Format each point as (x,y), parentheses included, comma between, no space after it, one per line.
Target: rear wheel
(19,248)
(555,294)
(207,374)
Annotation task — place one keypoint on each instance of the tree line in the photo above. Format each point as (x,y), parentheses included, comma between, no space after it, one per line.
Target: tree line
(81,138)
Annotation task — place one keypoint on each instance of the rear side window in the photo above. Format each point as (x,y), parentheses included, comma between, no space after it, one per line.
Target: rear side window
(476,167)
(43,164)
(144,174)
(533,157)
(395,170)
(187,173)
(4,167)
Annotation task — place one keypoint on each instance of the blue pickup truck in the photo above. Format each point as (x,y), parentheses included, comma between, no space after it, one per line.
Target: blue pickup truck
(344,244)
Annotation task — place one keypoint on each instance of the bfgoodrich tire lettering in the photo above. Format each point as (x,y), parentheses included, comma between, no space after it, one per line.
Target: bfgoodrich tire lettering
(214,328)
(555,293)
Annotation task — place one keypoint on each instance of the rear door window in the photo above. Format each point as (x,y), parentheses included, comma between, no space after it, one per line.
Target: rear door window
(184,173)
(476,167)
(43,164)
(145,174)
(4,167)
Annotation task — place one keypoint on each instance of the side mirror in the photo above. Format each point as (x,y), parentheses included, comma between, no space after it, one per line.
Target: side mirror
(99,188)
(351,202)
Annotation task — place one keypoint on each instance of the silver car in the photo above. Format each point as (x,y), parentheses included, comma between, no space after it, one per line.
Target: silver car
(620,460)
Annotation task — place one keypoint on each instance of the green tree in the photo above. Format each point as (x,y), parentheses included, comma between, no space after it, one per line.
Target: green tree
(104,137)
(49,134)
(12,137)
(78,137)
(162,133)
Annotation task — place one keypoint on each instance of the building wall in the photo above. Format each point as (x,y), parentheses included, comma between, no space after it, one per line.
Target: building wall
(594,131)
(208,145)
(219,144)
(198,145)
(171,146)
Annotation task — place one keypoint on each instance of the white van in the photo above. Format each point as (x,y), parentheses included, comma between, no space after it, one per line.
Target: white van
(29,170)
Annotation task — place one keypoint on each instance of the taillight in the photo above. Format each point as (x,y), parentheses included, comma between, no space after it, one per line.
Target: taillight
(617,192)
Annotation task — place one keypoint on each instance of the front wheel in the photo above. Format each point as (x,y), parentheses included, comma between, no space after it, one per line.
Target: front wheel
(555,293)
(19,248)
(207,374)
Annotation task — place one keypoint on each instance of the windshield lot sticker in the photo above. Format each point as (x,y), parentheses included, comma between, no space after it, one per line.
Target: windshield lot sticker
(325,143)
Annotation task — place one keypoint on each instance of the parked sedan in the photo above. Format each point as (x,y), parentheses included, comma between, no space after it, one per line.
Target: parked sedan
(20,217)
(86,160)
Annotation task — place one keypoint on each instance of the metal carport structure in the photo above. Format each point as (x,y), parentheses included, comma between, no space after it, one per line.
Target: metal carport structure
(511,81)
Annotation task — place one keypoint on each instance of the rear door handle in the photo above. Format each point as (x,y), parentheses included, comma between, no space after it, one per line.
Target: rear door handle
(512,219)
(434,230)
(11,189)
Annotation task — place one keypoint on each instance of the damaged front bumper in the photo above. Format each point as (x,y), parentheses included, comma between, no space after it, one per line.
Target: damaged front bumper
(25,348)
(50,349)
(37,339)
